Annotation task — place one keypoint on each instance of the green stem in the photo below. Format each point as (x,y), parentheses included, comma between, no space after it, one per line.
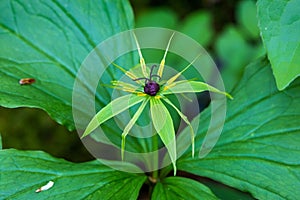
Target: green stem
(156,157)
(165,171)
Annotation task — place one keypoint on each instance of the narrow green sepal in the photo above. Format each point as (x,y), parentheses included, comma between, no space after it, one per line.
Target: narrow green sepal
(110,110)
(163,124)
(131,123)
(191,87)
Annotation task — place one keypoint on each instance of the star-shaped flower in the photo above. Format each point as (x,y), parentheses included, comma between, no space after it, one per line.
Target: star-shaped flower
(150,88)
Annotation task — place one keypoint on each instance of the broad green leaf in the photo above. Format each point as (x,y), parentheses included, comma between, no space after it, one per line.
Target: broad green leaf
(163,124)
(279,23)
(258,150)
(246,16)
(176,76)
(47,41)
(115,107)
(181,188)
(22,172)
(223,191)
(198,26)
(191,86)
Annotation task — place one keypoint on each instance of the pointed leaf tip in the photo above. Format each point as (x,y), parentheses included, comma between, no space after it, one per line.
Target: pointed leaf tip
(229,96)
(185,86)
(185,119)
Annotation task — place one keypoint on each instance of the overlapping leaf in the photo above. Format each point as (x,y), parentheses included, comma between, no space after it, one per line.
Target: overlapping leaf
(181,188)
(279,23)
(21,173)
(258,150)
(47,41)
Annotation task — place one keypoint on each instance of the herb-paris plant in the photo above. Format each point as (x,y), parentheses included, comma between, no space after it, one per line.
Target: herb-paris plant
(153,91)
(47,41)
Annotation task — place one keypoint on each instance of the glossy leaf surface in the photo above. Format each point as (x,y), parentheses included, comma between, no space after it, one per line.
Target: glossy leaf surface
(258,150)
(22,172)
(47,41)
(181,188)
(279,23)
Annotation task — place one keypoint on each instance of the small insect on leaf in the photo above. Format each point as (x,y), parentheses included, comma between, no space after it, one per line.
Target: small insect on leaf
(45,187)
(26,81)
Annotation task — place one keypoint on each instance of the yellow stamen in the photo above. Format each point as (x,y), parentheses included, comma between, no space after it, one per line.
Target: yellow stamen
(171,80)
(130,75)
(127,73)
(141,94)
(142,61)
(129,90)
(127,87)
(162,63)
(161,68)
(166,88)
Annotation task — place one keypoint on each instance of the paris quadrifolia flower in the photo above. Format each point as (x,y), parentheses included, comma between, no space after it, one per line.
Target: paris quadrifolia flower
(151,89)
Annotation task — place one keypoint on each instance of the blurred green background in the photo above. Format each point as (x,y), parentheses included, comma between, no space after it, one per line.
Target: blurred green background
(226,29)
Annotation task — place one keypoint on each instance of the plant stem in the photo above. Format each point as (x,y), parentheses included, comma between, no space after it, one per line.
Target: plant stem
(156,157)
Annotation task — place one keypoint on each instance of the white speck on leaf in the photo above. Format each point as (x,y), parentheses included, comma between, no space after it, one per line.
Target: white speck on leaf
(45,187)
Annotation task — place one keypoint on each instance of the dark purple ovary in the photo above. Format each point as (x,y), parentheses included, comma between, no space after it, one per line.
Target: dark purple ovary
(151,88)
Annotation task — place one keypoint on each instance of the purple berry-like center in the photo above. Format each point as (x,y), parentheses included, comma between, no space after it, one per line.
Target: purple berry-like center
(151,88)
